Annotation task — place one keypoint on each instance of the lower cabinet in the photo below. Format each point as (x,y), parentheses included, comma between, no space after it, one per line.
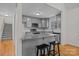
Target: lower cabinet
(29,46)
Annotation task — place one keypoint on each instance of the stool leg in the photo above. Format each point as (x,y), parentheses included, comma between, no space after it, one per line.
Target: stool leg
(44,52)
(37,52)
(58,49)
(54,50)
(40,52)
(49,49)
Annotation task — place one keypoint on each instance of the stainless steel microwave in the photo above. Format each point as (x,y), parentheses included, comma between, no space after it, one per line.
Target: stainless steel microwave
(34,24)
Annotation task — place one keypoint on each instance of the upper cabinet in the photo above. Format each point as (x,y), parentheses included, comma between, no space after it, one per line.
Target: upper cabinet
(45,23)
(55,23)
(26,21)
(32,22)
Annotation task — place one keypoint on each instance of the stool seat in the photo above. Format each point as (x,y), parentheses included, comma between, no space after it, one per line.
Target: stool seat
(42,48)
(54,51)
(53,42)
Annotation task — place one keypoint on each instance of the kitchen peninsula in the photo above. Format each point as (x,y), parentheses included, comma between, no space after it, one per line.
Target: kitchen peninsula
(30,42)
(38,36)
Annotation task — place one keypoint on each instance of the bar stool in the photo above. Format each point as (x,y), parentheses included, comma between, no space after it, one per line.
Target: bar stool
(54,44)
(51,44)
(57,52)
(57,42)
(42,49)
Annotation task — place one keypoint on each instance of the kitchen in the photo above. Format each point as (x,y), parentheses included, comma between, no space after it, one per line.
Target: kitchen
(39,29)
(40,26)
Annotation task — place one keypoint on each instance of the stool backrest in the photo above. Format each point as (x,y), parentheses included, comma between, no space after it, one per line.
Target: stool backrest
(57,37)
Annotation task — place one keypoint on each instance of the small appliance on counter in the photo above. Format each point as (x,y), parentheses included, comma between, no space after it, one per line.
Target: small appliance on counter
(34,31)
(35,25)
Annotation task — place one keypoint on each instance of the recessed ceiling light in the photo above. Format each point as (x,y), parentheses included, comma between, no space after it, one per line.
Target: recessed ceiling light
(37,13)
(6,15)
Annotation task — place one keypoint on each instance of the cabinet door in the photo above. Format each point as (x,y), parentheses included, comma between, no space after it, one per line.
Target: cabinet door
(44,22)
(28,22)
(29,47)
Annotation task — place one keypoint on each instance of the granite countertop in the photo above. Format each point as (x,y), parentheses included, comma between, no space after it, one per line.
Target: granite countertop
(37,36)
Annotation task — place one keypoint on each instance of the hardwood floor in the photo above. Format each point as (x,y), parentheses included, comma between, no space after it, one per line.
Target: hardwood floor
(7,48)
(69,50)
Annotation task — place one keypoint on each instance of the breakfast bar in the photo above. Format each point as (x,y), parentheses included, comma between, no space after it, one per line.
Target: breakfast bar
(29,43)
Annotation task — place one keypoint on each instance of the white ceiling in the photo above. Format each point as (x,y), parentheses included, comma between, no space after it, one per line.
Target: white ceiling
(71,5)
(7,9)
(30,9)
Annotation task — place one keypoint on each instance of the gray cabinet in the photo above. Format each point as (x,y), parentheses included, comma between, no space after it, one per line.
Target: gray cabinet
(45,23)
(55,23)
(29,47)
(26,21)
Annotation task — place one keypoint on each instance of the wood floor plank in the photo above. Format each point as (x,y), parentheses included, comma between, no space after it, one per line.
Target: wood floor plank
(7,48)
(69,50)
